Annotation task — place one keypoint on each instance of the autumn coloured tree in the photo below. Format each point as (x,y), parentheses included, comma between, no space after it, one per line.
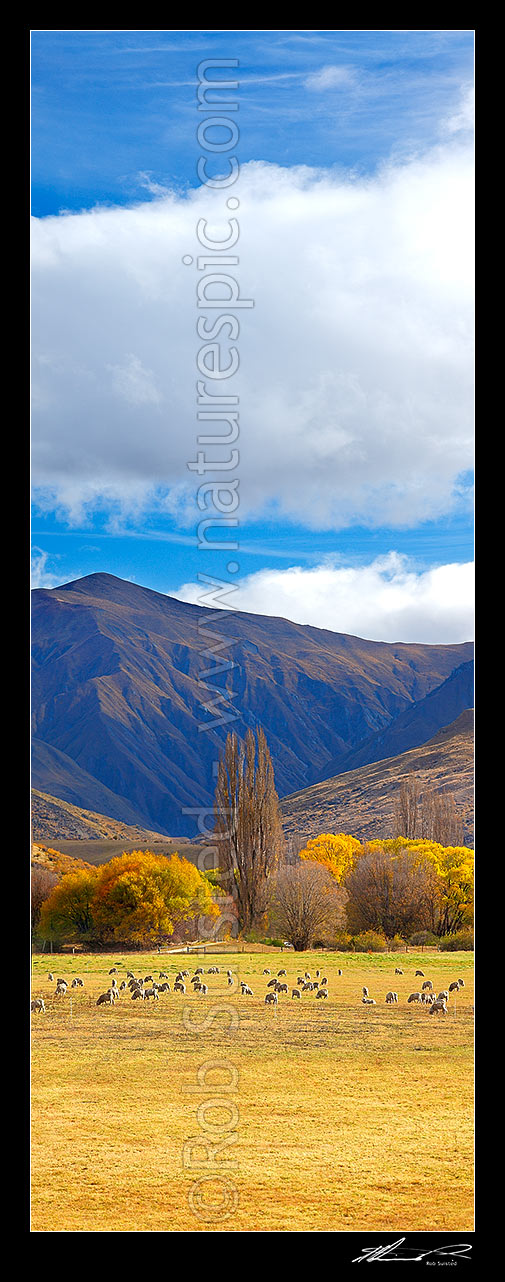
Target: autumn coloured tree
(335,851)
(43,881)
(135,898)
(141,897)
(67,912)
(438,879)
(247,824)
(389,891)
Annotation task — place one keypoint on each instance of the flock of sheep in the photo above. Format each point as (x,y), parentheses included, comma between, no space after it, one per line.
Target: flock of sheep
(147,988)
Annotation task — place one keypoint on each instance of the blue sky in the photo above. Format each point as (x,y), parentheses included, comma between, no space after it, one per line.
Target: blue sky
(380,123)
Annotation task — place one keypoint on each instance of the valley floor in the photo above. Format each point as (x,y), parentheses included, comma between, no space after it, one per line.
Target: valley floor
(340,1116)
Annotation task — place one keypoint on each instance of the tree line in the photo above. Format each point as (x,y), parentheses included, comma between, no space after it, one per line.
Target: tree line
(337,886)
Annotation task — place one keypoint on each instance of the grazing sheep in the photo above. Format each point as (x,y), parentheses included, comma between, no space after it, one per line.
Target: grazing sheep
(454,988)
(162,975)
(60,990)
(295,993)
(246,991)
(340,973)
(230,981)
(164,988)
(322,992)
(323,981)
(179,987)
(62,981)
(152,992)
(369,1001)
(282,972)
(438,1006)
(271,998)
(414,997)
(443,996)
(307,988)
(272,983)
(50,978)
(130,975)
(365,992)
(199,970)
(318,972)
(138,994)
(106,999)
(390,998)
(266,972)
(122,985)
(300,980)
(461,983)
(398,971)
(148,979)
(419,972)
(281,988)
(37,1004)
(203,989)
(427,984)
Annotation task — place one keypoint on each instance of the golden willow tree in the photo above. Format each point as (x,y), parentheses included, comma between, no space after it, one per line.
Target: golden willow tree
(247,824)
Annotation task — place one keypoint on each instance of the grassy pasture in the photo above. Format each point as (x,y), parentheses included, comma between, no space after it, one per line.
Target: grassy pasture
(347,1117)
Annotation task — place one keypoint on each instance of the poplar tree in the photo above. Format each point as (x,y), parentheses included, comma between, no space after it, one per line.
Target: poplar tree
(247,824)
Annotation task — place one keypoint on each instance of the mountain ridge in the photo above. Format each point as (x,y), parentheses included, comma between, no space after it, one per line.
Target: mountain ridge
(137,690)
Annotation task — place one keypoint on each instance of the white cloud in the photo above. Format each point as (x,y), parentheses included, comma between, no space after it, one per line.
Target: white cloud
(387,600)
(40,576)
(462,120)
(355,381)
(330,78)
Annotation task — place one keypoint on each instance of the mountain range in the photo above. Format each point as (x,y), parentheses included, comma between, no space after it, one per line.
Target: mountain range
(134,693)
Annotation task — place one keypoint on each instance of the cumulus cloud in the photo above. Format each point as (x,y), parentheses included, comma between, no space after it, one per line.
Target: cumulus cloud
(355,378)
(387,600)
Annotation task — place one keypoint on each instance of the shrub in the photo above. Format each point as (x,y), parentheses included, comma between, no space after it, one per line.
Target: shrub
(424,939)
(396,944)
(343,942)
(461,941)
(370,942)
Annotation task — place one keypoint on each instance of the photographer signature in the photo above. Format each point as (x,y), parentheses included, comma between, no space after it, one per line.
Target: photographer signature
(397,1251)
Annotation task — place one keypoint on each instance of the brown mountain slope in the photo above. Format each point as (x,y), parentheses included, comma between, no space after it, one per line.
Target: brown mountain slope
(361,802)
(128,700)
(53,819)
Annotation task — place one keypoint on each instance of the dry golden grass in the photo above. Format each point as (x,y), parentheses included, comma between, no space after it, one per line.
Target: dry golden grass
(349,1117)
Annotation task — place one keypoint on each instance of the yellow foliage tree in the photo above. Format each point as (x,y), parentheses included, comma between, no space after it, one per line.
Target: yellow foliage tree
(67,912)
(142,897)
(336,851)
(452,905)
